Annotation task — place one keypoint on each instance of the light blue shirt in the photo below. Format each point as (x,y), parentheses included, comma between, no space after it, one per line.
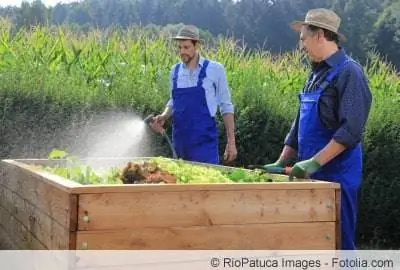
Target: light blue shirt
(215,85)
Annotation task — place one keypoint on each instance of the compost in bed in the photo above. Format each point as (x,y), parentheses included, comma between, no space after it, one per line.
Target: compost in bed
(145,173)
(154,170)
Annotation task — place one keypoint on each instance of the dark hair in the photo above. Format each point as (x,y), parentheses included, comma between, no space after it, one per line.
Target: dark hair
(192,40)
(329,35)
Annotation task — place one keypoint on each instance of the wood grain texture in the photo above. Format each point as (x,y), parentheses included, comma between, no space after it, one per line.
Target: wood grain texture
(42,211)
(204,208)
(18,233)
(6,243)
(44,195)
(282,236)
(49,178)
(45,211)
(338,219)
(46,229)
(100,189)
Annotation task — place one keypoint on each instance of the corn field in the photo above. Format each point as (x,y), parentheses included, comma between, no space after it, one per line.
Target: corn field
(53,77)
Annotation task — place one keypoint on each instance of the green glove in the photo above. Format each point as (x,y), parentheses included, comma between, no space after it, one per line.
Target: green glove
(304,168)
(276,167)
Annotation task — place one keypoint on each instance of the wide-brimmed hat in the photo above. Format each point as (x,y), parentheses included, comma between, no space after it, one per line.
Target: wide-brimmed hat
(188,32)
(323,18)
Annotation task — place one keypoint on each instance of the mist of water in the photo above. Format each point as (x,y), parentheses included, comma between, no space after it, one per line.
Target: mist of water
(110,136)
(120,138)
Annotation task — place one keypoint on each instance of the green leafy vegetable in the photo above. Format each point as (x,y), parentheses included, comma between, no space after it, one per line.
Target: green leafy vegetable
(183,171)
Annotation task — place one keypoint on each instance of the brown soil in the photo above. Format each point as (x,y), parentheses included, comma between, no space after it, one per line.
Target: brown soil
(145,173)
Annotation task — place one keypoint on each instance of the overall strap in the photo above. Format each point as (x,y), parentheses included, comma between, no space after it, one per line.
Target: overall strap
(308,82)
(202,74)
(312,80)
(175,77)
(333,74)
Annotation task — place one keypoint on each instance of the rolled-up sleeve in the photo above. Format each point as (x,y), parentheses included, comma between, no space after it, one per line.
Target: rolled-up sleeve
(223,92)
(170,103)
(292,138)
(354,105)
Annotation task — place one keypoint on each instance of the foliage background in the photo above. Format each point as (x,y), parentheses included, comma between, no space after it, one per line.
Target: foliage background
(58,82)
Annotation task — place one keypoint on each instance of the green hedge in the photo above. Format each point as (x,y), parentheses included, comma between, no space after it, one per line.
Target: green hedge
(56,86)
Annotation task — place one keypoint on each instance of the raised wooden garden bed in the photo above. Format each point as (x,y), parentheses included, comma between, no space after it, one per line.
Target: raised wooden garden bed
(39,210)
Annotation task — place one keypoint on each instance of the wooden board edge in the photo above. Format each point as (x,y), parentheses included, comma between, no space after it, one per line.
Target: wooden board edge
(73,212)
(72,240)
(132,188)
(77,188)
(73,221)
(52,179)
(338,219)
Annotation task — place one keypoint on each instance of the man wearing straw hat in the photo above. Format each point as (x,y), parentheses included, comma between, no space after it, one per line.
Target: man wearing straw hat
(334,107)
(197,87)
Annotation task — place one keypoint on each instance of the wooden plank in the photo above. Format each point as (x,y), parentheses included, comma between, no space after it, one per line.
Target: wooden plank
(44,228)
(5,241)
(50,198)
(191,208)
(99,189)
(19,234)
(49,178)
(73,221)
(338,219)
(283,236)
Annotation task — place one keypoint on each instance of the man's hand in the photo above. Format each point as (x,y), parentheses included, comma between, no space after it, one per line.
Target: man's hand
(230,151)
(275,167)
(304,168)
(279,165)
(157,123)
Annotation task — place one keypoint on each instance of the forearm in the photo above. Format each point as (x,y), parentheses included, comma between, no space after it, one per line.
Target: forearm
(329,152)
(223,99)
(287,153)
(229,127)
(291,139)
(167,113)
(305,168)
(354,103)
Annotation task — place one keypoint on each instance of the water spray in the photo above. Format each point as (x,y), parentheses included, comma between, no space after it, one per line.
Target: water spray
(149,119)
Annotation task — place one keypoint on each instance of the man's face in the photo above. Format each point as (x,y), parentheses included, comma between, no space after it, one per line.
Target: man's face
(187,50)
(310,43)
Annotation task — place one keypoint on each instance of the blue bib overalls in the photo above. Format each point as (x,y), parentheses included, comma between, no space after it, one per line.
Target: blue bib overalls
(195,133)
(345,169)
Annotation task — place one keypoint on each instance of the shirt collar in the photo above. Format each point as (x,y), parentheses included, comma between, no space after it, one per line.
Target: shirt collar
(336,58)
(332,61)
(201,62)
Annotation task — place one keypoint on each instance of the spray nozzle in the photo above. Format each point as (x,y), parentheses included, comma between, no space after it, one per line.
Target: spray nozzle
(149,119)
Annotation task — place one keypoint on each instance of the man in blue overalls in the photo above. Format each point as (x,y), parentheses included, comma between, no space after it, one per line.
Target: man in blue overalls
(198,87)
(334,108)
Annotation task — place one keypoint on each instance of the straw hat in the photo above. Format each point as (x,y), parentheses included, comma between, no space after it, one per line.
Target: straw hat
(323,18)
(188,32)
